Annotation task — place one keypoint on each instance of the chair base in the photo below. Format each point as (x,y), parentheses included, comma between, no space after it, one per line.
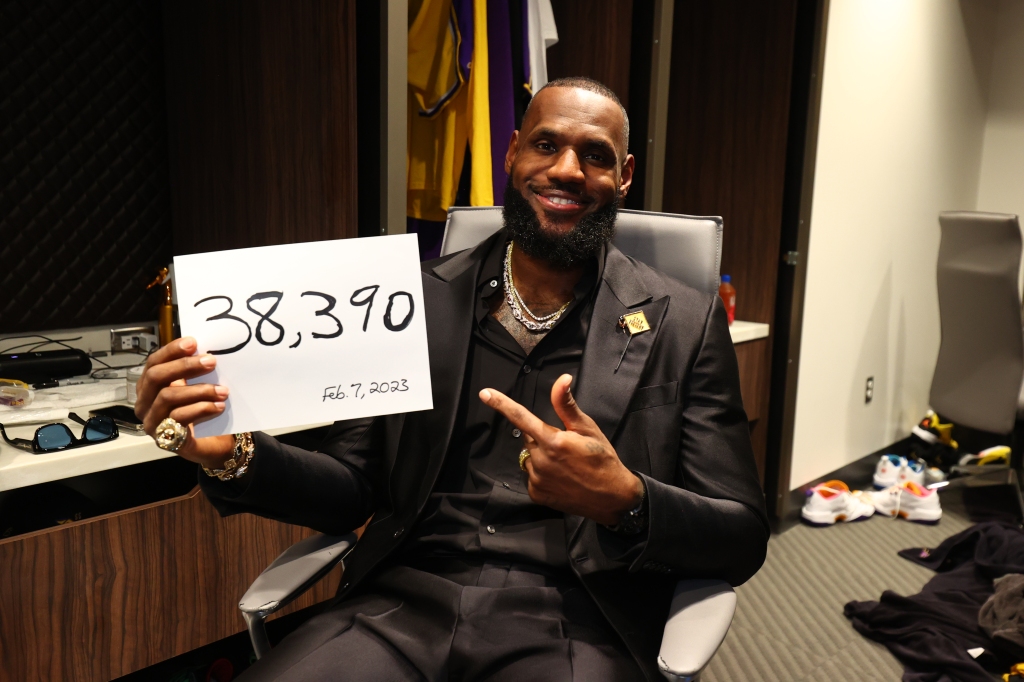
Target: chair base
(256,622)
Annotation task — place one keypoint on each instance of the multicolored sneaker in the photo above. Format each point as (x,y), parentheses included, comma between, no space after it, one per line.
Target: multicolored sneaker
(887,471)
(995,456)
(931,431)
(908,501)
(894,469)
(832,501)
(913,471)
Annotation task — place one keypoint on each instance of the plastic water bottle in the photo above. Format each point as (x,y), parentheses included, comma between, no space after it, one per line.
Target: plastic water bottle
(728,295)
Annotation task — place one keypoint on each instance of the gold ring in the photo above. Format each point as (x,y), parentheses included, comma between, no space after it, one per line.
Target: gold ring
(523,456)
(170,435)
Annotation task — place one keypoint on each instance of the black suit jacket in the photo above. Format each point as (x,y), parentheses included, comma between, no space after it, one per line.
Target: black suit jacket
(672,411)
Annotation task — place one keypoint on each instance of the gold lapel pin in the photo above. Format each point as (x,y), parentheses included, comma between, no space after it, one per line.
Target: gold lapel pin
(633,324)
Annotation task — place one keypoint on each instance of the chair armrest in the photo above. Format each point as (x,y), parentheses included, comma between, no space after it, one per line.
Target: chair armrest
(698,621)
(296,570)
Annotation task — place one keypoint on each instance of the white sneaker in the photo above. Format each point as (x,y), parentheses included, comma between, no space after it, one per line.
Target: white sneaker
(934,475)
(887,471)
(908,501)
(914,471)
(832,501)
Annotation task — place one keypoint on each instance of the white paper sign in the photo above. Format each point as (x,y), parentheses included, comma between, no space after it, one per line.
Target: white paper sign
(308,333)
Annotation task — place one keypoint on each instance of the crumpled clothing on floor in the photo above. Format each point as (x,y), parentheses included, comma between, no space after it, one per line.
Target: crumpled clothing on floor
(930,632)
(1002,615)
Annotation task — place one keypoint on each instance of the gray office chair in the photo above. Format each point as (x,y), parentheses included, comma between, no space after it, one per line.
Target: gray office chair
(687,248)
(979,374)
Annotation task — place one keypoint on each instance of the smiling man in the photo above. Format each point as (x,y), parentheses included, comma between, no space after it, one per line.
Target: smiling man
(532,525)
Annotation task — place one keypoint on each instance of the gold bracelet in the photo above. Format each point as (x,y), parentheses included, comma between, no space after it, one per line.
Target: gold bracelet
(238,463)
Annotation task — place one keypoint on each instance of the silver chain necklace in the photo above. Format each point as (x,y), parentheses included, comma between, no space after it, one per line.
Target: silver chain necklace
(517,305)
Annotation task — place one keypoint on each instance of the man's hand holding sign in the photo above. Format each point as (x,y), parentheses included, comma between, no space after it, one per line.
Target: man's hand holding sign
(163,393)
(338,337)
(575,471)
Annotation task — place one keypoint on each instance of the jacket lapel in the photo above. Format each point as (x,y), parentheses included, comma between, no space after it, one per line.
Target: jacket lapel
(602,392)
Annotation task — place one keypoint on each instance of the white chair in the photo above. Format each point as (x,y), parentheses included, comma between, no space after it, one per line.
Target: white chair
(685,247)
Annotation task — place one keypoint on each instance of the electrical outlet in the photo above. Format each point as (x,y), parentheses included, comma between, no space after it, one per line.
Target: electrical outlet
(869,390)
(133,339)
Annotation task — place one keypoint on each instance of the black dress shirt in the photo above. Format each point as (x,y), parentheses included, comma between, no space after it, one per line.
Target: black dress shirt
(480,508)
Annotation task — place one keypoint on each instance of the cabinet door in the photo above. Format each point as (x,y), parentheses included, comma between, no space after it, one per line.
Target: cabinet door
(97,599)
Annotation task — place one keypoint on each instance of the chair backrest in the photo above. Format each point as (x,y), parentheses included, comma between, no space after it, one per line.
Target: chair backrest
(978,374)
(685,247)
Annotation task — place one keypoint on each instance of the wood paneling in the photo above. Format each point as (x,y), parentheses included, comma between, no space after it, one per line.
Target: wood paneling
(262,119)
(729,109)
(594,39)
(754,370)
(754,359)
(726,149)
(97,599)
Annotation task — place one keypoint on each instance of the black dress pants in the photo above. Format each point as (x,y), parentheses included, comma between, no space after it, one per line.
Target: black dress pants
(458,621)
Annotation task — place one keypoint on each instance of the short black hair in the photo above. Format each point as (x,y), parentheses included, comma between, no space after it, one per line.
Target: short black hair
(591,85)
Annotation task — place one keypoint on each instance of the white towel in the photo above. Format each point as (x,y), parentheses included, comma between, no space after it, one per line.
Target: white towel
(542,34)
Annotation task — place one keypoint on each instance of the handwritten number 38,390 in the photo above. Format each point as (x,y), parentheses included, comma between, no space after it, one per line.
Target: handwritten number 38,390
(265,317)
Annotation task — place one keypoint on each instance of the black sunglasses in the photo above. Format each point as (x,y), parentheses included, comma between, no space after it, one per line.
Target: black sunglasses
(57,437)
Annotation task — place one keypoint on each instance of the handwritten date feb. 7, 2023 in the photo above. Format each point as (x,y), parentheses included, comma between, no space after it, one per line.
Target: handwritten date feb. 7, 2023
(283,321)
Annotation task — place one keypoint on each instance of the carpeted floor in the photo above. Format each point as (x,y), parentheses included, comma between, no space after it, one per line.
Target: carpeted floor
(789,624)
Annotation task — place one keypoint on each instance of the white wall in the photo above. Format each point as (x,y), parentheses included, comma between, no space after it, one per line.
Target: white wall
(901,134)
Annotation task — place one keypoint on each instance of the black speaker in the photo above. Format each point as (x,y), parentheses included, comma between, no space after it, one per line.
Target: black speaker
(37,366)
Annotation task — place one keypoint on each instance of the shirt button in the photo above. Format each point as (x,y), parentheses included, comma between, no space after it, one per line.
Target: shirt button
(516,433)
(491,530)
(506,486)
(527,369)
(494,283)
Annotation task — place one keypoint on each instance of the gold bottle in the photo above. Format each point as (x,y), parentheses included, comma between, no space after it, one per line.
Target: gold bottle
(166,316)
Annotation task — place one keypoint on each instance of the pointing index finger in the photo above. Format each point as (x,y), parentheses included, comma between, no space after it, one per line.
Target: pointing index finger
(522,418)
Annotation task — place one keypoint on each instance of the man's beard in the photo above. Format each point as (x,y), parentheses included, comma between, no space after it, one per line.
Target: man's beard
(567,250)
